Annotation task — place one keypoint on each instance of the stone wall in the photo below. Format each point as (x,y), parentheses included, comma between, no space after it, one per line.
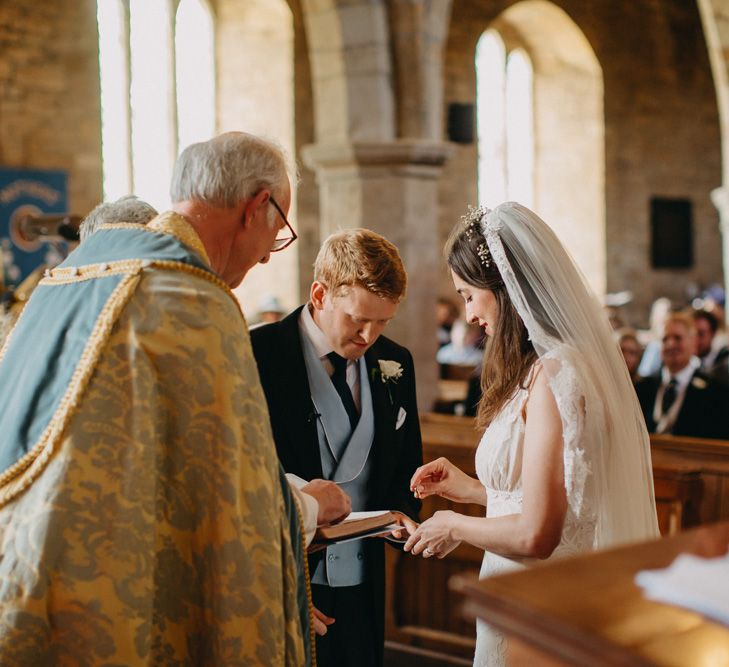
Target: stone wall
(661,131)
(50,114)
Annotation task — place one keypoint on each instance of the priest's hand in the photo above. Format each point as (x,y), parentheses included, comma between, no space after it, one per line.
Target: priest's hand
(334,504)
(321,622)
(434,537)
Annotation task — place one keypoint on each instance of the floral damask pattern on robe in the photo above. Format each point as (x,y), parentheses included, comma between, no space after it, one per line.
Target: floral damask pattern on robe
(156,533)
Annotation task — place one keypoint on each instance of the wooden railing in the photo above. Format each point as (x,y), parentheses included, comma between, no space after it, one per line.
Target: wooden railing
(691,481)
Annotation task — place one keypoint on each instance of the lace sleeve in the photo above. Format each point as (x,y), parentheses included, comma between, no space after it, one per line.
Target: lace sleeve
(568,392)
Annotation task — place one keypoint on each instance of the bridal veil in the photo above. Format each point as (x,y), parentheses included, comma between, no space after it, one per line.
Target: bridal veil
(607,460)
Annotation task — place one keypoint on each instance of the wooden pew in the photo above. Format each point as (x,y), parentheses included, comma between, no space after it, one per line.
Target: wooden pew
(708,460)
(589,611)
(691,481)
(421,611)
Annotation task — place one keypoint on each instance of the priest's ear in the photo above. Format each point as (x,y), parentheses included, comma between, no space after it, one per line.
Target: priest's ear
(318,294)
(257,203)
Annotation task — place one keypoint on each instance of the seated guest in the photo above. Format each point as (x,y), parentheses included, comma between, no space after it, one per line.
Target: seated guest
(465,346)
(446,313)
(469,407)
(631,349)
(681,399)
(650,364)
(712,354)
(270,310)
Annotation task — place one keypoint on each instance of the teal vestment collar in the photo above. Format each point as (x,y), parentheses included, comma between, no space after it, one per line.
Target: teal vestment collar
(45,347)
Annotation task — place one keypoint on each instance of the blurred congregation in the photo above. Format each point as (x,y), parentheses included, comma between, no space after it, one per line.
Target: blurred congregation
(679,366)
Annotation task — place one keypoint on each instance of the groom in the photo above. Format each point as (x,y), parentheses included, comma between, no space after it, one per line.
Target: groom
(342,403)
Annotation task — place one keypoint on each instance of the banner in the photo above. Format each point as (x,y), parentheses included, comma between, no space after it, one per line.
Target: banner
(28,192)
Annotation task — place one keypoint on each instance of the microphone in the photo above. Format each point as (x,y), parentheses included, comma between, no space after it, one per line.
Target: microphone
(312,417)
(42,227)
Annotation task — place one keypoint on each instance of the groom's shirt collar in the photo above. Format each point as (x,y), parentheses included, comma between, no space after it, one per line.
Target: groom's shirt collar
(310,329)
(315,335)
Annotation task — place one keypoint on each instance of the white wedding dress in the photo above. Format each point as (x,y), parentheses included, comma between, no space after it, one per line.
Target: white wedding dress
(607,464)
(498,465)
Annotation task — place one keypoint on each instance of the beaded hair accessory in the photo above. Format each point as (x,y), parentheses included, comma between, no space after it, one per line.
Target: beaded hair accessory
(472,221)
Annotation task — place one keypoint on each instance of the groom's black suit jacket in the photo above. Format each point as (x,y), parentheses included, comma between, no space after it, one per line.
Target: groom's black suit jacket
(395,453)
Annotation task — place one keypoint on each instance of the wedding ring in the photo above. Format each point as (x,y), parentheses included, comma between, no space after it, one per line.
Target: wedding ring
(427,552)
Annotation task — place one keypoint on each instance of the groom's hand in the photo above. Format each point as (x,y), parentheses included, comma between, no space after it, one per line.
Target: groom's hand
(334,504)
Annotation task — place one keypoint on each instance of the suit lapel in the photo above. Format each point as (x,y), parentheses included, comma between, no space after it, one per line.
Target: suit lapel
(303,441)
(383,446)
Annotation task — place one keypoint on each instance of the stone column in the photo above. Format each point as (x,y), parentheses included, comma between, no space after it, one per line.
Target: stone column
(391,188)
(720,198)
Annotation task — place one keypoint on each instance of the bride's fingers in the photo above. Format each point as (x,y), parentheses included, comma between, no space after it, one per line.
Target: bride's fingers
(424,472)
(412,540)
(422,490)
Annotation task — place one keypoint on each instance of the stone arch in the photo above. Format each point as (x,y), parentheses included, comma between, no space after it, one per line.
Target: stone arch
(569,128)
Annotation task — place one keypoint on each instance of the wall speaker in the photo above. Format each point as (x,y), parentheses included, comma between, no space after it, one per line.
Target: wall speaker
(672,238)
(461,121)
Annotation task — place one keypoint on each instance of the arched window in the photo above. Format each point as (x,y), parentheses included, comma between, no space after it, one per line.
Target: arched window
(519,128)
(146,118)
(114,68)
(490,90)
(194,72)
(505,123)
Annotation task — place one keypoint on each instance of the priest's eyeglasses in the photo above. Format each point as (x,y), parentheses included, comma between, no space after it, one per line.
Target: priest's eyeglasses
(283,241)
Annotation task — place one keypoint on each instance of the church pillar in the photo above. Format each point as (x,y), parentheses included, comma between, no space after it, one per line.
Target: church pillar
(391,188)
(715,20)
(720,198)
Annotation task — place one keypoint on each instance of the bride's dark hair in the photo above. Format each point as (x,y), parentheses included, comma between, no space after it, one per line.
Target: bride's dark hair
(509,353)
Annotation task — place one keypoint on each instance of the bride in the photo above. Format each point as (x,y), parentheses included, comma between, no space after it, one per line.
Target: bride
(564,463)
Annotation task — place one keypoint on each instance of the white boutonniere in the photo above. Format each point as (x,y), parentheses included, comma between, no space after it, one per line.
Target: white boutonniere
(699,383)
(390,371)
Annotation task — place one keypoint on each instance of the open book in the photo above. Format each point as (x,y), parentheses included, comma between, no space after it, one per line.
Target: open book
(358,525)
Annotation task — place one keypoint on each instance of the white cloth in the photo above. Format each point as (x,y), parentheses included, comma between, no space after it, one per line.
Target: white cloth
(311,330)
(607,464)
(308,505)
(498,466)
(701,584)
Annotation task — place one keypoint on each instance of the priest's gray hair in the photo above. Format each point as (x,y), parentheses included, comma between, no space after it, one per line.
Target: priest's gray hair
(127,209)
(230,169)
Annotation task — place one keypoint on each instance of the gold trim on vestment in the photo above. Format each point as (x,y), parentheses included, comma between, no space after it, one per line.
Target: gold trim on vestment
(170,223)
(307,579)
(23,472)
(34,460)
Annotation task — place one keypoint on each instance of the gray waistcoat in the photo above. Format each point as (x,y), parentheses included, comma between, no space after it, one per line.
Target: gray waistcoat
(345,459)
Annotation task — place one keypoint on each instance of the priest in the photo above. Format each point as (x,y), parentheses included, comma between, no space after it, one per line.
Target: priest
(143,515)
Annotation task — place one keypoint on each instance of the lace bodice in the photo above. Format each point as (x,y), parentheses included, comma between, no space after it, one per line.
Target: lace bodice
(501,450)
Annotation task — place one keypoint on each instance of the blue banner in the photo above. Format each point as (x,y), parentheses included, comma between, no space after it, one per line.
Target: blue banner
(28,192)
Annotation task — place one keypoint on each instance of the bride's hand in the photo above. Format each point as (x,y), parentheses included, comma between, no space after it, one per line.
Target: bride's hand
(442,478)
(434,537)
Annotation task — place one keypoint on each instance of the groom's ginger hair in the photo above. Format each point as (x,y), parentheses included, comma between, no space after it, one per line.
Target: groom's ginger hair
(360,257)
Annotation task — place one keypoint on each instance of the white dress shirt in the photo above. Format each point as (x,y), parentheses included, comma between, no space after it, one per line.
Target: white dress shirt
(316,336)
(308,506)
